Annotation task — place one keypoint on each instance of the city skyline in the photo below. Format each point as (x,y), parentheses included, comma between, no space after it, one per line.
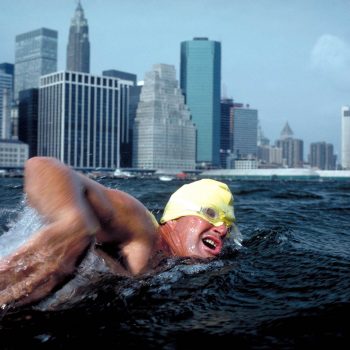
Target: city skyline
(290,61)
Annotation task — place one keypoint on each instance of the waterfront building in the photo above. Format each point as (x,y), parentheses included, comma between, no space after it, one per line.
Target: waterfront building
(275,155)
(28,119)
(322,156)
(6,93)
(345,138)
(82,118)
(78,48)
(245,164)
(13,153)
(292,148)
(164,135)
(245,131)
(200,81)
(35,55)
(134,98)
(264,154)
(270,156)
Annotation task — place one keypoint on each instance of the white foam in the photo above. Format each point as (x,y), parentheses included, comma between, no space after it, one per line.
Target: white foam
(27,222)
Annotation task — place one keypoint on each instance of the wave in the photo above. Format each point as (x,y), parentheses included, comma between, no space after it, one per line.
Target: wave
(25,222)
(297,195)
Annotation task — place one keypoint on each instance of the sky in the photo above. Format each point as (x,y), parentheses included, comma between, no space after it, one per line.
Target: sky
(289,59)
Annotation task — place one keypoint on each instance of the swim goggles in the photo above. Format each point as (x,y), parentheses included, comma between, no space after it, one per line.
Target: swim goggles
(216,216)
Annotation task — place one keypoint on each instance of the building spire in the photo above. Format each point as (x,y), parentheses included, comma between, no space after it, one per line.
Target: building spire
(286,132)
(78,49)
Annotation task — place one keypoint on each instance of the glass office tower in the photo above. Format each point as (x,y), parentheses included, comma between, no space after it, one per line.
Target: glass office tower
(245,131)
(134,98)
(35,55)
(226,138)
(28,119)
(200,79)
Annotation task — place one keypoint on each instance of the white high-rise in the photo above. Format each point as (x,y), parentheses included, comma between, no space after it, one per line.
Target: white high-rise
(345,137)
(164,135)
(83,119)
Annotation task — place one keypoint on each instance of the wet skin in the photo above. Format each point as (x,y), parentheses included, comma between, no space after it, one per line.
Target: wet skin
(192,236)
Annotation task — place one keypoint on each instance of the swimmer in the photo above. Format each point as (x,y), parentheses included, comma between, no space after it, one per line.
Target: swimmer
(80,213)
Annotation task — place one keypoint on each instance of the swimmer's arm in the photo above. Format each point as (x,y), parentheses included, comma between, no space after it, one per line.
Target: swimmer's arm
(132,227)
(42,263)
(58,192)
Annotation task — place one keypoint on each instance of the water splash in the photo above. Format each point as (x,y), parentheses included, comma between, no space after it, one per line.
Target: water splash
(21,228)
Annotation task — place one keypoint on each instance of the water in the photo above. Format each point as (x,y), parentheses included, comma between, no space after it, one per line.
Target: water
(288,287)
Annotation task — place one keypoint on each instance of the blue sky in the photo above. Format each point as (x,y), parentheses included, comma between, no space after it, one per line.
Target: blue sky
(288,59)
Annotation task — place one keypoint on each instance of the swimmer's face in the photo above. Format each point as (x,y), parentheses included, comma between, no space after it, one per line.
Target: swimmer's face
(194,236)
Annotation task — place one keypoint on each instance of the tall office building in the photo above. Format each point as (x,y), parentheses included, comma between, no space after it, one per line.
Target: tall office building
(200,81)
(82,118)
(226,126)
(28,119)
(322,156)
(245,131)
(6,97)
(78,48)
(134,98)
(164,135)
(345,138)
(8,68)
(292,148)
(35,55)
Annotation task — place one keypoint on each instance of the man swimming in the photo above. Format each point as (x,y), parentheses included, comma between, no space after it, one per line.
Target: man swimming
(79,212)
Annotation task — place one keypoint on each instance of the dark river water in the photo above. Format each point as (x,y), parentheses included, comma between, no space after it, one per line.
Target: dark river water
(287,287)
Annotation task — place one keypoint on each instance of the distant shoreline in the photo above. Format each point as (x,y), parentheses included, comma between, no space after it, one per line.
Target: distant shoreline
(281,174)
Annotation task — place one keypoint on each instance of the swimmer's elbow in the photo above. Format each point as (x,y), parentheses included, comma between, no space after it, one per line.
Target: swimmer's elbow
(37,162)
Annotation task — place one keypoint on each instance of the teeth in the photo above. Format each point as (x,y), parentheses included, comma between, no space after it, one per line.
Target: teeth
(210,243)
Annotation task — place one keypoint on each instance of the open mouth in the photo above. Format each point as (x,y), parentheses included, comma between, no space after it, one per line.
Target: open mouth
(212,244)
(208,242)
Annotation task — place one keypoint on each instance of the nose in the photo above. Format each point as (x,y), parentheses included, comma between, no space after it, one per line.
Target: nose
(221,230)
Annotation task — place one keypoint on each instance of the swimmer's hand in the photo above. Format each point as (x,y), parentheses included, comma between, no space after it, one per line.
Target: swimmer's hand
(43,263)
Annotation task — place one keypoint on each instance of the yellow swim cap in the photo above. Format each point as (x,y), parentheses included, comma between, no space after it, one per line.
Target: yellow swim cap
(209,199)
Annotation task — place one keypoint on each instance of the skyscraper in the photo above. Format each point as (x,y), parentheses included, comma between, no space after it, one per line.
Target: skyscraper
(245,131)
(6,95)
(81,118)
(345,138)
(164,135)
(134,98)
(35,55)
(78,48)
(226,138)
(322,156)
(28,119)
(200,80)
(292,148)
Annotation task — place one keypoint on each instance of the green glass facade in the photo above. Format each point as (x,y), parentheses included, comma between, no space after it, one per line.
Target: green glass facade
(200,80)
